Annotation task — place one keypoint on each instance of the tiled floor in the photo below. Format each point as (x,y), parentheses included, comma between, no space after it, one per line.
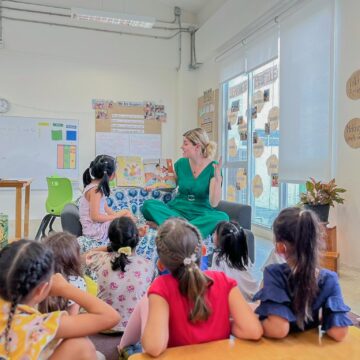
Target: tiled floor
(349,277)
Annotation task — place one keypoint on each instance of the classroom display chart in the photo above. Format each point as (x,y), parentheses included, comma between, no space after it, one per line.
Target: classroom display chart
(37,148)
(128,128)
(208,113)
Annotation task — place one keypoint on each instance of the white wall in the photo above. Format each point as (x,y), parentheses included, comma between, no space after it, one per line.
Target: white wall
(55,72)
(347,171)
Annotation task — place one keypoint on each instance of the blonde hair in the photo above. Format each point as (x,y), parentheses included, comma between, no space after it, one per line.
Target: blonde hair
(179,247)
(199,136)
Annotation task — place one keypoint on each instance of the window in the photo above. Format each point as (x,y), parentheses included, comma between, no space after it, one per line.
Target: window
(251,144)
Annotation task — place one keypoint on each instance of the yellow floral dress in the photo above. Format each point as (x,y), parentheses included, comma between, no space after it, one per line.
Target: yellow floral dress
(32,334)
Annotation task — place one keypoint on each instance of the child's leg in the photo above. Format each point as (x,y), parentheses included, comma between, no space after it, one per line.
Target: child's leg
(75,349)
(136,324)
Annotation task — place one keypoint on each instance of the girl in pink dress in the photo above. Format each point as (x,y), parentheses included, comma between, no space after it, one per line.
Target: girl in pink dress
(95,214)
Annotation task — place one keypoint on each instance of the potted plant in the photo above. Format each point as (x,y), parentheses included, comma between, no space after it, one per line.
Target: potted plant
(319,196)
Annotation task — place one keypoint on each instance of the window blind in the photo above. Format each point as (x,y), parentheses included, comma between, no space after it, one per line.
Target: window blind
(306,40)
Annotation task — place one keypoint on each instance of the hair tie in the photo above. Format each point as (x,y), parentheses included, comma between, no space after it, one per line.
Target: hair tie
(188,260)
(126,250)
(91,174)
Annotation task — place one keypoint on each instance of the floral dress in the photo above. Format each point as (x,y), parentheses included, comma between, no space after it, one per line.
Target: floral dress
(121,290)
(32,334)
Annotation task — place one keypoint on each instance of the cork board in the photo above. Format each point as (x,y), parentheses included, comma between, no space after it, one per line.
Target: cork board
(353,86)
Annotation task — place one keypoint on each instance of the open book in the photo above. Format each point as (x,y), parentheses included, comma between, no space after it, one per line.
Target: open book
(150,173)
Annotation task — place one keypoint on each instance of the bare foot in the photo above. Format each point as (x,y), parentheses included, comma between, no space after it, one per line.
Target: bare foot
(152,225)
(143,230)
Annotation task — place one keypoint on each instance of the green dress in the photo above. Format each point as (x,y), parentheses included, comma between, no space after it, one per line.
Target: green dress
(191,201)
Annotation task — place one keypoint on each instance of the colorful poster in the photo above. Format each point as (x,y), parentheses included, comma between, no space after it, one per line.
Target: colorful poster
(130,171)
(66,156)
(159,174)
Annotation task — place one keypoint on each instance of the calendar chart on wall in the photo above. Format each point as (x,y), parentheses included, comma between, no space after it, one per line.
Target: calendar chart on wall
(37,148)
(128,128)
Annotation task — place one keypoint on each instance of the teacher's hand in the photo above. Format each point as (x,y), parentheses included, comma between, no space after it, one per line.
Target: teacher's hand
(217,168)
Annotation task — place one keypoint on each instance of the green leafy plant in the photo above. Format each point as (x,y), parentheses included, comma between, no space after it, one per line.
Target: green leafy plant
(321,193)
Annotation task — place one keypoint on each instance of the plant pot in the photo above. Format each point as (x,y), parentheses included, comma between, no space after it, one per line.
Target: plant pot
(322,211)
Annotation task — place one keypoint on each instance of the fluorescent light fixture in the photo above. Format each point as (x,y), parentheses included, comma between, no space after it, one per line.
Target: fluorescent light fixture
(112,18)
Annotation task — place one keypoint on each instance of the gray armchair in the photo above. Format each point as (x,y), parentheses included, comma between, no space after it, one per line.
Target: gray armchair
(70,220)
(242,214)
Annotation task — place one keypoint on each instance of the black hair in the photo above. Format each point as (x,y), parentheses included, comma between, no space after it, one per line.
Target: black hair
(122,233)
(232,245)
(301,232)
(24,265)
(67,262)
(101,168)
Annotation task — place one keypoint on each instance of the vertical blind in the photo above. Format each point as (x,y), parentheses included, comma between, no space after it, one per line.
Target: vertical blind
(306,45)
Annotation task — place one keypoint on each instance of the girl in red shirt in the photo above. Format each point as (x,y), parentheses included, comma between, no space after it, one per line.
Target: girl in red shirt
(190,306)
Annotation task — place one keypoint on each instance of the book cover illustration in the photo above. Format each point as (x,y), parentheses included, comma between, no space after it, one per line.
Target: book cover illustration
(130,171)
(159,174)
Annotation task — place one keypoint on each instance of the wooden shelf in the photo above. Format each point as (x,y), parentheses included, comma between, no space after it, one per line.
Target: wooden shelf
(330,238)
(331,256)
(330,260)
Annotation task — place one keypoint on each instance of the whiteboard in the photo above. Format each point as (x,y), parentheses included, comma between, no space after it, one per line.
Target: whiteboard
(37,148)
(147,146)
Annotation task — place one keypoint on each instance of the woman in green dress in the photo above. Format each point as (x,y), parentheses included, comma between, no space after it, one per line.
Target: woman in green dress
(199,181)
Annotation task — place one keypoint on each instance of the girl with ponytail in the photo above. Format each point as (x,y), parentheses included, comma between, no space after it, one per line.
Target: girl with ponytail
(27,278)
(231,257)
(95,214)
(299,295)
(122,276)
(189,306)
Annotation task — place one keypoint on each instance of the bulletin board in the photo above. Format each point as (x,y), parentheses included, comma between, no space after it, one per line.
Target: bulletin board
(208,110)
(37,148)
(128,128)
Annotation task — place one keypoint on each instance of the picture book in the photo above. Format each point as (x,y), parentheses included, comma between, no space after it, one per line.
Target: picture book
(159,174)
(148,173)
(130,171)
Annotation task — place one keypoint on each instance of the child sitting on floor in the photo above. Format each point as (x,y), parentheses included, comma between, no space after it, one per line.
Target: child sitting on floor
(298,294)
(26,279)
(123,277)
(231,257)
(190,306)
(66,251)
